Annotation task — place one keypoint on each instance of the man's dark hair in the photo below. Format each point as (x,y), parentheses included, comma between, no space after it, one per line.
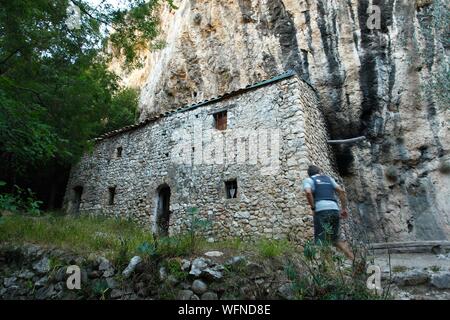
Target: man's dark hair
(312,170)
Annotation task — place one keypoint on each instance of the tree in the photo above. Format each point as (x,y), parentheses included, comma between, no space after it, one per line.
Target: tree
(56,91)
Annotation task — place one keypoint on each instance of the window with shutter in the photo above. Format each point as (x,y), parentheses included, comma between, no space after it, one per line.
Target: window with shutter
(220,119)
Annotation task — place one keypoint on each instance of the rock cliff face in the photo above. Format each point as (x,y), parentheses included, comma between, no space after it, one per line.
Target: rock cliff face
(372,82)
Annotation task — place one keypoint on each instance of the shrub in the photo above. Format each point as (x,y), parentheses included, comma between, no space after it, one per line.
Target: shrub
(322,274)
(273,248)
(196,227)
(21,200)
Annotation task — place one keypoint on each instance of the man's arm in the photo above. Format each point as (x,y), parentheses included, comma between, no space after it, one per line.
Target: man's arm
(343,200)
(310,198)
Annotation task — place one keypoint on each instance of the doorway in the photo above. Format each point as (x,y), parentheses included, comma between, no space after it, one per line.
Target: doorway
(162,211)
(77,194)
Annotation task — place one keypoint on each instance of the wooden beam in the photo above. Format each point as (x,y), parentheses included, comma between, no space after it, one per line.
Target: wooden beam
(352,140)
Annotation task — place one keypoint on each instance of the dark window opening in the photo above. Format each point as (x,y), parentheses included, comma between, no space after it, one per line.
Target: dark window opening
(220,119)
(78,192)
(119,152)
(163,212)
(231,189)
(112,195)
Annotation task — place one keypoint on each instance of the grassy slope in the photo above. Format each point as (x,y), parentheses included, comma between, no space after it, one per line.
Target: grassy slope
(119,240)
(85,234)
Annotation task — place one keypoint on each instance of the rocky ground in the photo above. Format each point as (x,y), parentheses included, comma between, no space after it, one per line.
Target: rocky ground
(33,272)
(416,276)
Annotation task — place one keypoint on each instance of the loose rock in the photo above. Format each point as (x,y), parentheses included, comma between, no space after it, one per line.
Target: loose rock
(131,266)
(199,287)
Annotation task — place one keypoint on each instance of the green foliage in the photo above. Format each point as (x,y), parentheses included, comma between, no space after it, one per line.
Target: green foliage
(273,248)
(56,90)
(398,269)
(181,245)
(123,255)
(173,267)
(197,225)
(321,274)
(114,238)
(21,200)
(100,289)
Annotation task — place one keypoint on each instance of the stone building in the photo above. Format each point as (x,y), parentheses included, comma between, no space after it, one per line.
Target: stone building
(239,159)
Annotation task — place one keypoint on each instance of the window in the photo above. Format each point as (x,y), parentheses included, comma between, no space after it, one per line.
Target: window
(119,152)
(220,120)
(112,195)
(231,189)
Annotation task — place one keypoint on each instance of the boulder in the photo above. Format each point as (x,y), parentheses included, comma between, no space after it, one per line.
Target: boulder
(41,282)
(104,264)
(111,283)
(185,295)
(9,282)
(116,294)
(162,273)
(235,260)
(212,254)
(131,266)
(198,265)
(286,291)
(42,266)
(411,278)
(27,274)
(212,274)
(185,265)
(209,296)
(441,280)
(199,287)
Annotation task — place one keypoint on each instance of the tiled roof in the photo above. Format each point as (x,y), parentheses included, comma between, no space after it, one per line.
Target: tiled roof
(225,95)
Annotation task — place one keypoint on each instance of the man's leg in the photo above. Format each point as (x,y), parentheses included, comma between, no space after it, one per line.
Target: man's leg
(343,246)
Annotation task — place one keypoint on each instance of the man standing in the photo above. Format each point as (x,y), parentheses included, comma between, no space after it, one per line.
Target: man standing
(320,191)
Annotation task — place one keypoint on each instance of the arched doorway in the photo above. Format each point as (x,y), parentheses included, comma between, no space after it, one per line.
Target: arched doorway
(162,210)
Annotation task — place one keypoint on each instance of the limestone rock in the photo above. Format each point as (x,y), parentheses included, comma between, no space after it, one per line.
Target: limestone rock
(441,280)
(198,265)
(209,296)
(131,266)
(286,291)
(185,295)
(411,278)
(199,287)
(8,282)
(212,254)
(42,266)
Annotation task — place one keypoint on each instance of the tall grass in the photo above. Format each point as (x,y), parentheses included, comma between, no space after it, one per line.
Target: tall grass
(81,234)
(273,248)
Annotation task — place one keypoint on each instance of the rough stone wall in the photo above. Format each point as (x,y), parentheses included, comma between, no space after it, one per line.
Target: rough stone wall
(370,82)
(269,200)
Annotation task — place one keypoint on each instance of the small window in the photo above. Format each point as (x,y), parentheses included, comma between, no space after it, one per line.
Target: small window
(231,189)
(112,195)
(220,120)
(119,152)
